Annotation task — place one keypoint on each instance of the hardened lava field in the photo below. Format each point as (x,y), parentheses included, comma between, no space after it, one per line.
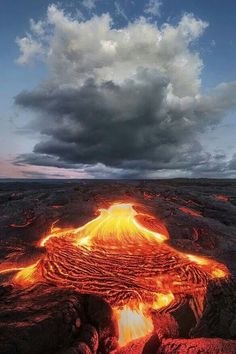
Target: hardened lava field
(160,256)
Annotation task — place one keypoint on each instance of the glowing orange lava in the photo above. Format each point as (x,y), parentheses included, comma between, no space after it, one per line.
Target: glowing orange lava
(190,212)
(128,264)
(222,198)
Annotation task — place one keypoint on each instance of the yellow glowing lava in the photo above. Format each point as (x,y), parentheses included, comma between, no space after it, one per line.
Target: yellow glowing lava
(163,300)
(134,320)
(133,324)
(210,266)
(196,259)
(219,273)
(116,227)
(27,275)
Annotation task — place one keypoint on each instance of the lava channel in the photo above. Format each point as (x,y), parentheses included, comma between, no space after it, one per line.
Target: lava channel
(129,265)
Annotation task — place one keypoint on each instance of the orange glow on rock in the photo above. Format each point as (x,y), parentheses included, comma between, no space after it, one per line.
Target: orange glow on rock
(9,270)
(190,212)
(222,197)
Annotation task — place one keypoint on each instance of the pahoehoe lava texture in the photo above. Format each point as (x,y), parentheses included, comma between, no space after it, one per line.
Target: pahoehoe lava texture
(121,275)
(113,275)
(200,218)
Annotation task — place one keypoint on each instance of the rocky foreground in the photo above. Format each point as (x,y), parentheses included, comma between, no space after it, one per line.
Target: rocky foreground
(201,219)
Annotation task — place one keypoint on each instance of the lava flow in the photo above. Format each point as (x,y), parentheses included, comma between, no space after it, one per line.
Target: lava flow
(128,264)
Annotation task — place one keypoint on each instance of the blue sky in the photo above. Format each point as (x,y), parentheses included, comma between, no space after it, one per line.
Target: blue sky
(216,48)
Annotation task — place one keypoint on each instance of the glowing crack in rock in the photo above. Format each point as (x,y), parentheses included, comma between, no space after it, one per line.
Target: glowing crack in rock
(128,264)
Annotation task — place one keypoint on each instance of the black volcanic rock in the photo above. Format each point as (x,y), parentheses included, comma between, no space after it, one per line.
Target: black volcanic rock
(46,319)
(219,314)
(198,345)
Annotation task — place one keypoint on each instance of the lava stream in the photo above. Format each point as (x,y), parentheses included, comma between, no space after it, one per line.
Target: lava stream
(126,263)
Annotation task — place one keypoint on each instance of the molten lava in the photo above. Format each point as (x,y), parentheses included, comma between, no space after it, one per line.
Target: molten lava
(190,212)
(133,324)
(117,229)
(222,198)
(128,264)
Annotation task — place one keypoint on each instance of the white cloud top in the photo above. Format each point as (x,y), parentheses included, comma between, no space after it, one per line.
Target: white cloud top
(127,98)
(76,51)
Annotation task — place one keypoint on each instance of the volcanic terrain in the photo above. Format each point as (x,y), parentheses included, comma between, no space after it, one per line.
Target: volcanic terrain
(118,266)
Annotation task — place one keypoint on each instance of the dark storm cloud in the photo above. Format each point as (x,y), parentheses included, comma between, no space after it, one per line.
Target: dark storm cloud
(135,125)
(121,102)
(41,160)
(232,163)
(108,123)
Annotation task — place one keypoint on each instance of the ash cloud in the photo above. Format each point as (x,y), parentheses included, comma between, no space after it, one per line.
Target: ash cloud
(128,102)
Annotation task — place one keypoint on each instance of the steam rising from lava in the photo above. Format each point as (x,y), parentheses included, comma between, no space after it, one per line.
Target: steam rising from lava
(128,264)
